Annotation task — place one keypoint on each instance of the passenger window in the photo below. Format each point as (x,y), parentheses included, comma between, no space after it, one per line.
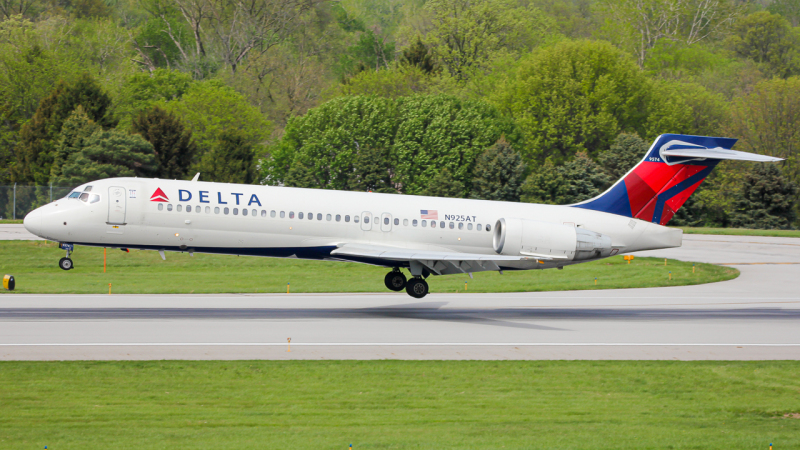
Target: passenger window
(216,210)
(328,217)
(366,219)
(291,214)
(414,222)
(386,221)
(319,216)
(424,223)
(244,211)
(433,224)
(479,227)
(253,213)
(441,224)
(160,206)
(355,219)
(469,226)
(169,206)
(272,213)
(300,215)
(197,209)
(263,213)
(347,218)
(310,216)
(338,217)
(452,225)
(188,208)
(283,214)
(235,211)
(461,225)
(226,210)
(405,222)
(179,208)
(488,227)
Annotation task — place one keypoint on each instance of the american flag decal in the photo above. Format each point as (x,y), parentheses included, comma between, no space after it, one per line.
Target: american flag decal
(429,214)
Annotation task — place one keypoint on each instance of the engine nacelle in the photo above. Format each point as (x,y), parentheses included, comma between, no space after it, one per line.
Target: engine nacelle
(531,237)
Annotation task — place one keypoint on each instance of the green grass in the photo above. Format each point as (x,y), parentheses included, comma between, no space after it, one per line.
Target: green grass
(741,232)
(2,221)
(35,269)
(399,405)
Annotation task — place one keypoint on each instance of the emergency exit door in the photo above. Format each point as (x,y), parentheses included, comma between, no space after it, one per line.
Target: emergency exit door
(116,205)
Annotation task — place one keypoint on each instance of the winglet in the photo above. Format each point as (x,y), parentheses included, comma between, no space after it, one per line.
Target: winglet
(196,177)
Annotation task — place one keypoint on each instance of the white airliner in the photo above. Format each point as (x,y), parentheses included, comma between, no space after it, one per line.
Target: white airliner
(426,235)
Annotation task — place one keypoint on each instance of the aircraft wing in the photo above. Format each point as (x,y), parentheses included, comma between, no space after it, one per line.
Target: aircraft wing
(438,262)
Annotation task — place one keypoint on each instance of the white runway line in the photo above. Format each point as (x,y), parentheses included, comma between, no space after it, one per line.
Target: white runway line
(396,344)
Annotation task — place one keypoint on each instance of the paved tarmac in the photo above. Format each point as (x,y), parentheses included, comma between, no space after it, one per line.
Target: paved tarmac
(16,232)
(756,316)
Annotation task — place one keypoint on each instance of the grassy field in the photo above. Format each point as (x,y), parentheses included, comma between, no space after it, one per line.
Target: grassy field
(741,232)
(400,405)
(2,221)
(34,266)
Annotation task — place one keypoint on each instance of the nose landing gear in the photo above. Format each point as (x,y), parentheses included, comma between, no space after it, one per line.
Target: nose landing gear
(66,263)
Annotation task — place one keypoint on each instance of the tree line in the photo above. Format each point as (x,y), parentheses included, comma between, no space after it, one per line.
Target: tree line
(497,99)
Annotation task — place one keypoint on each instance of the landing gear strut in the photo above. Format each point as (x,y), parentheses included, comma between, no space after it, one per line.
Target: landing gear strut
(417,287)
(65,263)
(395,280)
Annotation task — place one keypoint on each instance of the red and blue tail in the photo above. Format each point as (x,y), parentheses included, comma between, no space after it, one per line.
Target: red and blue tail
(670,172)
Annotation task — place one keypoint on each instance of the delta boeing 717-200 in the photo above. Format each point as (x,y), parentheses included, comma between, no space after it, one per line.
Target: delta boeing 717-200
(424,235)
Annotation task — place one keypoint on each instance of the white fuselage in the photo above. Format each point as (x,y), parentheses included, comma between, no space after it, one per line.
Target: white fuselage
(209,217)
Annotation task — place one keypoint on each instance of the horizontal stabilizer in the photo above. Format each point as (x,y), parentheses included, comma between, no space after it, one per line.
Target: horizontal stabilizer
(719,153)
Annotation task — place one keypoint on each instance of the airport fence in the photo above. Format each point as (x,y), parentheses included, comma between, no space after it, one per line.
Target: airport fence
(18,200)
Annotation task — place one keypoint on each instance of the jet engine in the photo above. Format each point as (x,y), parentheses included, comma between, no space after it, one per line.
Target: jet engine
(535,238)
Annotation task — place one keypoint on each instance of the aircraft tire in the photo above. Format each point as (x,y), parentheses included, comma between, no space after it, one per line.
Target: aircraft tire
(417,288)
(395,281)
(65,263)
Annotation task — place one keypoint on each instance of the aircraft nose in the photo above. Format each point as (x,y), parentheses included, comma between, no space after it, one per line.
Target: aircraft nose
(33,222)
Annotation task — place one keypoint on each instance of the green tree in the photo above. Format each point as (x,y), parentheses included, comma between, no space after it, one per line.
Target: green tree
(106,154)
(626,151)
(466,35)
(575,181)
(767,39)
(210,108)
(418,55)
(142,90)
(576,96)
(444,184)
(38,136)
(766,121)
(372,171)
(172,142)
(766,200)
(230,160)
(75,133)
(498,174)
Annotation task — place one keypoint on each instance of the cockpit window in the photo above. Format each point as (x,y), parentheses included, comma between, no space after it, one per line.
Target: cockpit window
(89,198)
(74,195)
(87,189)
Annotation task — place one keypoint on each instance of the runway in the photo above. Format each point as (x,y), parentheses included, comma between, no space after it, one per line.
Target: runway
(756,316)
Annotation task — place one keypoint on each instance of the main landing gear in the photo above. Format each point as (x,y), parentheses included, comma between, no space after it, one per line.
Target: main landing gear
(416,287)
(66,263)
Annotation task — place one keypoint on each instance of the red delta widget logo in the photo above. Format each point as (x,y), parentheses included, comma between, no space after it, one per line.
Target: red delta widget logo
(203,197)
(159,196)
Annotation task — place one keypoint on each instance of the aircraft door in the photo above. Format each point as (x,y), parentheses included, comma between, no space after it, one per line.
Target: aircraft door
(386,222)
(116,205)
(366,221)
